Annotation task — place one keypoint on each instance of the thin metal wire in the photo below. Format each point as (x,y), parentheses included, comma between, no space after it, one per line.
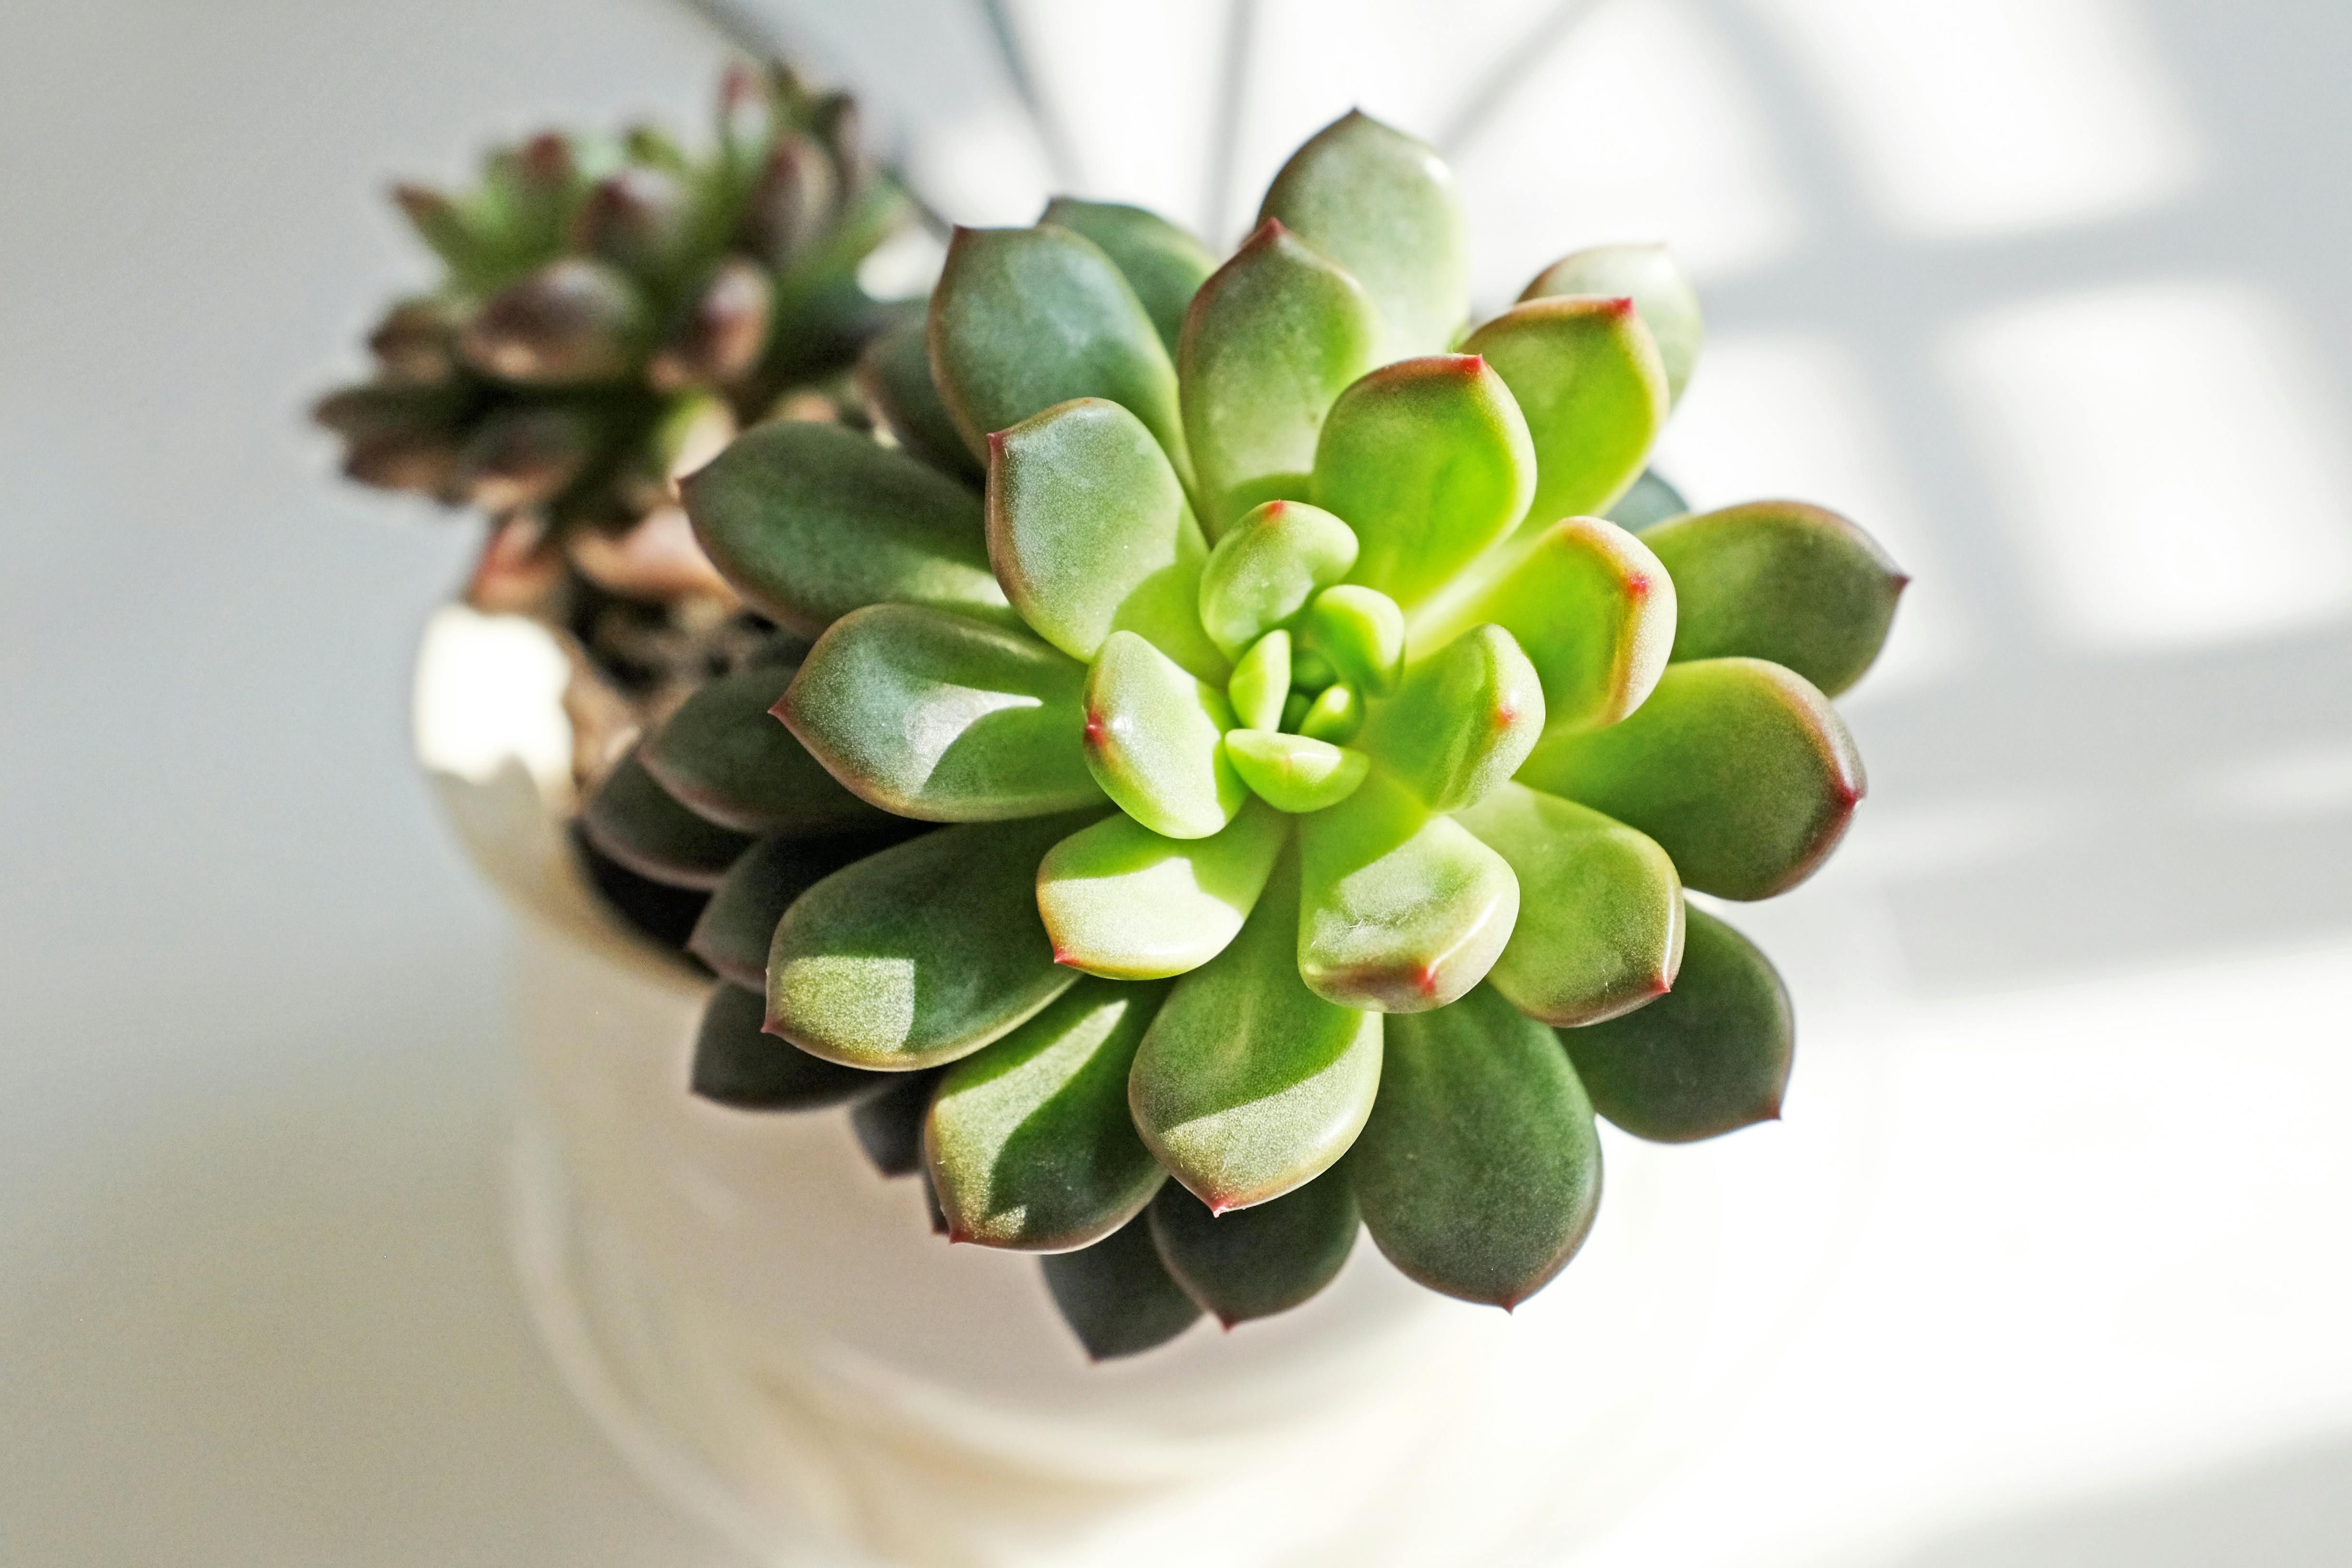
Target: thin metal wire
(1225,126)
(1510,72)
(1061,158)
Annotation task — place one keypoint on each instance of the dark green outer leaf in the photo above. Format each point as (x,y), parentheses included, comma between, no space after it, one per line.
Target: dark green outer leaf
(633,819)
(922,953)
(1255,1262)
(1739,769)
(736,1063)
(1479,1171)
(738,924)
(1026,318)
(1709,1056)
(727,756)
(1651,500)
(1029,1141)
(1164,265)
(889,1125)
(810,522)
(1116,1295)
(1794,584)
(895,375)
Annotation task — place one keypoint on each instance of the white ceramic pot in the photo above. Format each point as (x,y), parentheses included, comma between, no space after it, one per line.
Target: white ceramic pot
(772,1333)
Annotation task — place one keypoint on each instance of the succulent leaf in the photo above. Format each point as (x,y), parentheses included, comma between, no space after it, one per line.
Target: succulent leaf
(1782,581)
(738,926)
(1029,1141)
(894,375)
(1590,606)
(1601,910)
(1463,721)
(922,953)
(1024,319)
(1360,632)
(1661,292)
(1710,1057)
(1260,686)
(573,323)
(724,755)
(1089,533)
(736,1063)
(1383,206)
(1428,461)
(645,827)
(1739,769)
(1403,910)
(1164,265)
(1296,773)
(1588,378)
(1249,1084)
(810,522)
(1651,500)
(1479,1171)
(1122,901)
(1255,1262)
(1155,739)
(1117,1296)
(1334,715)
(1267,567)
(889,1124)
(934,716)
(1269,343)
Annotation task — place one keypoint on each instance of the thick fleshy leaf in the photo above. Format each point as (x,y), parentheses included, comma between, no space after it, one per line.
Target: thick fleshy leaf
(738,1064)
(1587,377)
(1479,1171)
(1164,265)
(1123,901)
(931,715)
(1029,1142)
(1428,462)
(724,755)
(738,924)
(1403,911)
(1360,631)
(636,822)
(889,1125)
(922,953)
(1780,580)
(1710,1057)
(1266,568)
(1154,740)
(1089,533)
(1651,500)
(1269,344)
(1296,773)
(1026,318)
(810,522)
(1600,910)
(1249,1084)
(1739,769)
(1334,715)
(894,375)
(1261,683)
(1255,1262)
(1383,206)
(1590,606)
(573,323)
(1463,721)
(1117,1296)
(1661,292)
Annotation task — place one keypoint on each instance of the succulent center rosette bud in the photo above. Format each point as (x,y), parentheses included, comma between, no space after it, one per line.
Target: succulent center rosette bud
(1322,770)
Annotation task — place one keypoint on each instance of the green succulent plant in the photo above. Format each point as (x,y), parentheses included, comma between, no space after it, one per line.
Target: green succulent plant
(1318,772)
(612,310)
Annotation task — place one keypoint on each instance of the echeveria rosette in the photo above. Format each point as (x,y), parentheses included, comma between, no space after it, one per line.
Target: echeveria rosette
(1315,755)
(611,312)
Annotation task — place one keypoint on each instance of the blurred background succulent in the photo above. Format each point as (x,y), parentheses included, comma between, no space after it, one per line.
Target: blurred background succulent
(1323,771)
(611,312)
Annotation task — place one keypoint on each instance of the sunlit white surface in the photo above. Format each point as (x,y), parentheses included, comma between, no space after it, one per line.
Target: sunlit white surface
(1142,136)
(2175,467)
(1987,116)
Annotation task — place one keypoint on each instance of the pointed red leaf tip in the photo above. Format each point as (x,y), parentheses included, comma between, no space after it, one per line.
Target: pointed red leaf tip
(1226,1323)
(547,157)
(1098,729)
(995,446)
(1062,957)
(1428,980)
(1623,305)
(1637,586)
(955,1236)
(1504,715)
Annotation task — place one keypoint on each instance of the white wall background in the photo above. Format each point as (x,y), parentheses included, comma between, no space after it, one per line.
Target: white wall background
(2048,292)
